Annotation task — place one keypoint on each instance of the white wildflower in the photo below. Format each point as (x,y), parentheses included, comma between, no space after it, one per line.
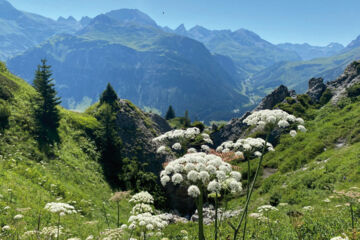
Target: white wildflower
(301,128)
(191,150)
(142,197)
(193,191)
(177,178)
(161,149)
(18,217)
(266,208)
(176,146)
(293,133)
(61,208)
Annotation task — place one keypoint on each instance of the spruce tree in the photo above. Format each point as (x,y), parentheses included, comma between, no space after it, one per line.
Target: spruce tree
(170,114)
(47,115)
(109,95)
(187,119)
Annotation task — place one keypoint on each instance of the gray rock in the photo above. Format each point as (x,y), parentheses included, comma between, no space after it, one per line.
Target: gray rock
(136,129)
(160,123)
(350,77)
(173,218)
(316,89)
(236,128)
(277,96)
(209,214)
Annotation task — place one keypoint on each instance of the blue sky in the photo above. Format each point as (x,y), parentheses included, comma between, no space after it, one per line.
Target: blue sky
(317,22)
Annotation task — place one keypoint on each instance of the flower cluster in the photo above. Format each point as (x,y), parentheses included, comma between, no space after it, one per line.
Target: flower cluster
(207,138)
(147,222)
(189,133)
(141,208)
(247,145)
(266,208)
(51,232)
(112,234)
(176,146)
(276,117)
(199,170)
(343,237)
(142,197)
(61,208)
(118,196)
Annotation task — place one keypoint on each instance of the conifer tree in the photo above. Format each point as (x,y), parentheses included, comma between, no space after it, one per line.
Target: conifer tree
(187,119)
(170,114)
(109,95)
(47,115)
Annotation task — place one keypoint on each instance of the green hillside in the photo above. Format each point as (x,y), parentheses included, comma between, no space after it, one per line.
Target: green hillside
(72,174)
(303,171)
(319,168)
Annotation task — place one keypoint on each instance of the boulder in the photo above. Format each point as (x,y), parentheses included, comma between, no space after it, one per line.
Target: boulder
(316,89)
(275,97)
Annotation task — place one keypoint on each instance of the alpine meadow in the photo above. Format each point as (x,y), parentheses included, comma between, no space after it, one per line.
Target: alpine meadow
(122,126)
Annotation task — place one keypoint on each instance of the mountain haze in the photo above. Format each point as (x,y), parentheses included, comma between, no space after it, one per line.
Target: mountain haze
(20,30)
(308,52)
(150,67)
(248,50)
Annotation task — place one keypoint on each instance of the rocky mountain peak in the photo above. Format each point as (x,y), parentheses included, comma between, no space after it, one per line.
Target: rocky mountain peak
(354,44)
(126,16)
(181,30)
(8,12)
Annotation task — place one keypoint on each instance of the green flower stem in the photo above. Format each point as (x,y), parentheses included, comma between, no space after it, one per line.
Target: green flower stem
(200,213)
(236,230)
(216,215)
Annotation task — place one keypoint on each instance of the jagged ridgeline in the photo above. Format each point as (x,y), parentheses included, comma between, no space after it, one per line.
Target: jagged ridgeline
(310,178)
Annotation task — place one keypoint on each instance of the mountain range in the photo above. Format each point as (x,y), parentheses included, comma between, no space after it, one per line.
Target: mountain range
(151,67)
(214,74)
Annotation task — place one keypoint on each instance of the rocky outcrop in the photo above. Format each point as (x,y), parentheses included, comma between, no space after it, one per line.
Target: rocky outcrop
(160,123)
(350,77)
(209,214)
(277,96)
(136,130)
(231,131)
(316,89)
(236,128)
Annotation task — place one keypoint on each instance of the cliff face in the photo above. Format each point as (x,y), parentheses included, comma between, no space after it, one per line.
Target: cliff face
(137,129)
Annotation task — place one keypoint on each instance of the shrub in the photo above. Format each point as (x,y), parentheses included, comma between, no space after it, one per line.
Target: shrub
(5,93)
(290,100)
(199,125)
(325,97)
(354,91)
(4,116)
(275,199)
(3,67)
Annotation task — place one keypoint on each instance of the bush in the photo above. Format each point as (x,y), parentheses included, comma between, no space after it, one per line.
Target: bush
(325,97)
(199,125)
(4,116)
(275,199)
(354,91)
(3,67)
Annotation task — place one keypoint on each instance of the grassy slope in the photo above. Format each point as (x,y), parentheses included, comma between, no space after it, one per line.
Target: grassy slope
(307,174)
(73,174)
(310,167)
